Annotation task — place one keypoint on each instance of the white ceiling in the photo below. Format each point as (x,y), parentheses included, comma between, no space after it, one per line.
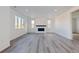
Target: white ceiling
(47,11)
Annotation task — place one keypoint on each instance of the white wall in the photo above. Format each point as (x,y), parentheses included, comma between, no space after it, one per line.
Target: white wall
(4,27)
(16,32)
(63,23)
(7,26)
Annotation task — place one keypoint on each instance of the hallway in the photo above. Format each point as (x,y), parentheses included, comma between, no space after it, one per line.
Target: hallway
(43,43)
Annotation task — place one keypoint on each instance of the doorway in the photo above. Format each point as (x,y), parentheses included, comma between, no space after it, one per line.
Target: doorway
(75,24)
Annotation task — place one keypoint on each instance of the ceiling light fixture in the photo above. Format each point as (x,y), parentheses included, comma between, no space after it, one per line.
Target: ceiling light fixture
(26,10)
(55,10)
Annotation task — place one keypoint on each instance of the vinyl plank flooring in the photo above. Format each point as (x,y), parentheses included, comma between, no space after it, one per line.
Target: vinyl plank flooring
(43,43)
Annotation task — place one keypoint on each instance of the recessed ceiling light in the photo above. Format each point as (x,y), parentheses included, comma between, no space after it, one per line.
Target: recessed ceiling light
(26,10)
(55,10)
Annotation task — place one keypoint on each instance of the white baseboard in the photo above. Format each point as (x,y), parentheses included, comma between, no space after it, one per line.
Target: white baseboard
(63,36)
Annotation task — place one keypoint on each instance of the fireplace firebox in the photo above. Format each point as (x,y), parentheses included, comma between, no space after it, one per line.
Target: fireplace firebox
(41,29)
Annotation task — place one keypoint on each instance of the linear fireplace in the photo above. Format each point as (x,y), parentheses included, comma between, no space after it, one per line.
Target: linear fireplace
(41,29)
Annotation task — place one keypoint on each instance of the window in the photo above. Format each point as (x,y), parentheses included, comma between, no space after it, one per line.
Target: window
(32,23)
(49,23)
(19,22)
(16,22)
(22,25)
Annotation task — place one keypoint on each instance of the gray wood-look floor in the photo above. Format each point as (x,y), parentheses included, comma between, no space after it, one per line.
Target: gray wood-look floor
(43,43)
